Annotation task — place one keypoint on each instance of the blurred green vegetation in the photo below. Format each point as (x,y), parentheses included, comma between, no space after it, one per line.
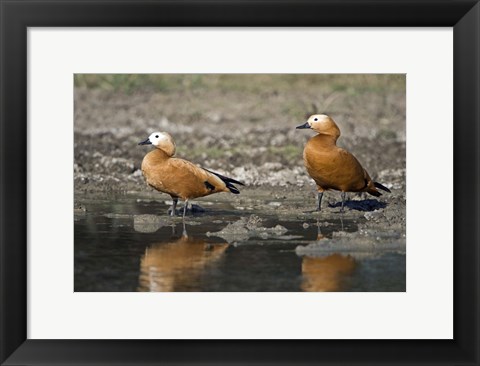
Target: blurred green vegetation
(173,83)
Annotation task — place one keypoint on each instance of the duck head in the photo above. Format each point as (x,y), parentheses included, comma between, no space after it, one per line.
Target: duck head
(322,124)
(162,141)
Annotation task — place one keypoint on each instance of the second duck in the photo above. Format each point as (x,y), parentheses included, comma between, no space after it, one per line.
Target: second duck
(332,167)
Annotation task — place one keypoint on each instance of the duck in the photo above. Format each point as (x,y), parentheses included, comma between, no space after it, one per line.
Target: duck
(180,178)
(330,166)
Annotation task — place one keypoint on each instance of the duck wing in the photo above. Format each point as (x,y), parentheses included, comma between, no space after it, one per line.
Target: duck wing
(203,180)
(185,167)
(214,182)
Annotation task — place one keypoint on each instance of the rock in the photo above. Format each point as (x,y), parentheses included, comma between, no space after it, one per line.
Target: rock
(148,223)
(246,228)
(350,245)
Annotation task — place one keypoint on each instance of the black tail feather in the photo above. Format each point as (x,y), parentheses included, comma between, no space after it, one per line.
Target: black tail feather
(382,187)
(228,182)
(226,179)
(232,188)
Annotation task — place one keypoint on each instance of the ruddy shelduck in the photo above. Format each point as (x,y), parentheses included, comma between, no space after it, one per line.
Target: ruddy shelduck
(178,177)
(332,167)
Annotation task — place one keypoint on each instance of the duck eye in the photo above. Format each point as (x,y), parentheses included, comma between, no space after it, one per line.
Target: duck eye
(156,136)
(315,119)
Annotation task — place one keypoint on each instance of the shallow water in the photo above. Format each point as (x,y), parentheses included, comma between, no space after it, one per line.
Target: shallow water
(132,245)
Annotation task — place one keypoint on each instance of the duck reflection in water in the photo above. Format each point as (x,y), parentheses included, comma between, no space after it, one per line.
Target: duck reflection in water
(327,272)
(178,264)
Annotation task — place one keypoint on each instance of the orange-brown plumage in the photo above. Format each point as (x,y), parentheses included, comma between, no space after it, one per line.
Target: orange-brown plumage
(332,167)
(178,177)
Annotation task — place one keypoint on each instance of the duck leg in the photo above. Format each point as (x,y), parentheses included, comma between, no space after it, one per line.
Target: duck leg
(185,208)
(344,194)
(172,209)
(319,196)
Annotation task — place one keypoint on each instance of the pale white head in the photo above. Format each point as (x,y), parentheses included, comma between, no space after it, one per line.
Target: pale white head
(162,141)
(322,124)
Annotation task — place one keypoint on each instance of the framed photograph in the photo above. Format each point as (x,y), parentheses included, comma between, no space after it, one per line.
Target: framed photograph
(239,183)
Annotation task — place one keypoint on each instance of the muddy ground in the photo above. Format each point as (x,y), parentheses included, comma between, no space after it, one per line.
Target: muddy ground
(244,126)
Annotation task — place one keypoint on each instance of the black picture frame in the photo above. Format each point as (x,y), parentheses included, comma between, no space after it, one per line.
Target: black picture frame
(17,15)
